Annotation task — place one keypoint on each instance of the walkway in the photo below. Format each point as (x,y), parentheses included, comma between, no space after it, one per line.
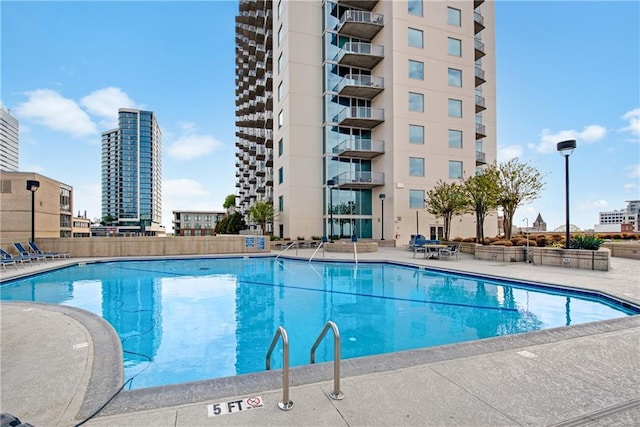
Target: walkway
(580,375)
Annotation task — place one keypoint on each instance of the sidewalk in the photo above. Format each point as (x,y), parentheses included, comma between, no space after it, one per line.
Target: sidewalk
(580,375)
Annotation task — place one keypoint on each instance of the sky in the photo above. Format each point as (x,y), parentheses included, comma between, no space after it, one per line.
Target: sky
(565,70)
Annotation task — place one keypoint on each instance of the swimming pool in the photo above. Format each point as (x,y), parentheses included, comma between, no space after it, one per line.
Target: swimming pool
(188,320)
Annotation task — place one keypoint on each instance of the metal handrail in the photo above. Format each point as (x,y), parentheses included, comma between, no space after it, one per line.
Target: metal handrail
(316,251)
(295,242)
(337,394)
(285,404)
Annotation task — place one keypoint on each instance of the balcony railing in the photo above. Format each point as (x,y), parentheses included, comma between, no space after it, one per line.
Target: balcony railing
(359,54)
(481,130)
(366,117)
(359,179)
(359,148)
(480,103)
(360,86)
(479,73)
(360,24)
(480,158)
(478,22)
(479,49)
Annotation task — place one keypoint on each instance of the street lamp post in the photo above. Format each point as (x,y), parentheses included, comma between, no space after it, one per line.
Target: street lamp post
(33,185)
(330,184)
(565,148)
(382,197)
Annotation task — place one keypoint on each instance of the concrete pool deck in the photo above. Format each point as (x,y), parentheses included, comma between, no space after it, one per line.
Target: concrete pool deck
(586,374)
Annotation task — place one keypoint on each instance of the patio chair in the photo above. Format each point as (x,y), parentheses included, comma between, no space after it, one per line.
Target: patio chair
(431,252)
(36,250)
(18,258)
(450,251)
(6,262)
(25,253)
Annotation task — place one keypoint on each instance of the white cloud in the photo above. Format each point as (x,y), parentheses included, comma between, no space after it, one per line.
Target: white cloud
(509,152)
(191,145)
(86,197)
(56,112)
(549,140)
(630,187)
(184,194)
(594,204)
(633,171)
(633,116)
(105,103)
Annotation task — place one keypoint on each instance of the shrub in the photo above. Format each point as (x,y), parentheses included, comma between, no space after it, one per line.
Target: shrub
(501,243)
(469,240)
(457,239)
(275,238)
(490,240)
(316,238)
(582,241)
(616,237)
(541,241)
(523,242)
(300,238)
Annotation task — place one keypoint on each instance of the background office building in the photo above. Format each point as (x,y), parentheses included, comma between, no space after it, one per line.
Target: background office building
(132,173)
(9,141)
(630,216)
(348,112)
(196,223)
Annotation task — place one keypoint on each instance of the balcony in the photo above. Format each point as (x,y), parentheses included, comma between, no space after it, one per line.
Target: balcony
(362,117)
(261,152)
(481,131)
(360,24)
(480,158)
(361,4)
(477,3)
(359,148)
(360,86)
(478,22)
(359,180)
(480,103)
(479,73)
(478,47)
(361,55)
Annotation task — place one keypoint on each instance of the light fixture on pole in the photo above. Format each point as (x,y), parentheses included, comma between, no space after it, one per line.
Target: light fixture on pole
(33,185)
(382,197)
(330,184)
(565,148)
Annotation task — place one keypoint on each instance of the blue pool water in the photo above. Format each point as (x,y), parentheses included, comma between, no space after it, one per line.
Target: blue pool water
(188,320)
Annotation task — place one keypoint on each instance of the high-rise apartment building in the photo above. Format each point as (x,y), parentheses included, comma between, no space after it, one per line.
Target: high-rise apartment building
(630,215)
(132,172)
(9,141)
(349,111)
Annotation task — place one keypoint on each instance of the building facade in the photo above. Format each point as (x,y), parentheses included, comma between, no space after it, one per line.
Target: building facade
(9,141)
(196,223)
(362,107)
(53,208)
(630,215)
(132,173)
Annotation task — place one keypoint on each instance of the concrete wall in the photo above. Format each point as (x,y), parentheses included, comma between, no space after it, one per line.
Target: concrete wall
(624,250)
(557,257)
(154,246)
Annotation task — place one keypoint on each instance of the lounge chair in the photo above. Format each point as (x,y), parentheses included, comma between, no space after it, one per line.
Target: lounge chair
(6,262)
(25,253)
(19,258)
(36,250)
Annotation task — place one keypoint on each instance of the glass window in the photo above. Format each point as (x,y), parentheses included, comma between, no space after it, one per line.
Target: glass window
(280,90)
(454,17)
(280,119)
(280,35)
(279,8)
(415,7)
(455,138)
(416,70)
(455,77)
(416,102)
(455,108)
(415,38)
(280,63)
(454,47)
(416,166)
(416,199)
(280,175)
(416,134)
(280,147)
(280,203)
(455,169)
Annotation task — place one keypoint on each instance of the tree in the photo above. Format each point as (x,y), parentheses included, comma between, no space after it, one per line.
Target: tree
(231,224)
(261,212)
(444,201)
(482,193)
(229,201)
(107,220)
(518,183)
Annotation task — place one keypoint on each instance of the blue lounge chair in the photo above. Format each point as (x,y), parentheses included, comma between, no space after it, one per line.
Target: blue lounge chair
(36,250)
(7,256)
(25,253)
(6,262)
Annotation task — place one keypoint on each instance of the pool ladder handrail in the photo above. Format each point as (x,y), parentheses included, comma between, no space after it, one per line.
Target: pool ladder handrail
(285,404)
(316,251)
(336,394)
(295,242)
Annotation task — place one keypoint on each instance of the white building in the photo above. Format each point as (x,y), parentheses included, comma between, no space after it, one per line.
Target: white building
(9,141)
(630,215)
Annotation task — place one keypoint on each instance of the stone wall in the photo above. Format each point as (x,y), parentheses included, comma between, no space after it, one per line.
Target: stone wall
(347,247)
(557,257)
(629,249)
(155,246)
